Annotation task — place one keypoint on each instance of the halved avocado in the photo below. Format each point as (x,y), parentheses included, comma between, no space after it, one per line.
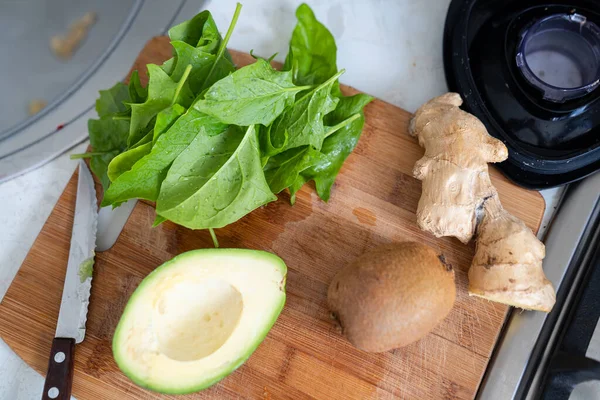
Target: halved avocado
(198,317)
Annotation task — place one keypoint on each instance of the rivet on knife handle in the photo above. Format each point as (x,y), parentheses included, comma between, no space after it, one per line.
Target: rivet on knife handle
(59,378)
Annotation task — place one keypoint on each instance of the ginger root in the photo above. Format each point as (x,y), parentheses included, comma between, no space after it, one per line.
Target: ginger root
(507,266)
(454,168)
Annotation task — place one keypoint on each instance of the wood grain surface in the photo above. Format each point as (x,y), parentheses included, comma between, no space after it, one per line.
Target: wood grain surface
(373,202)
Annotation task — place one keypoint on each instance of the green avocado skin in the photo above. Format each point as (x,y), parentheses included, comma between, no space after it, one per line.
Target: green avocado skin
(202,384)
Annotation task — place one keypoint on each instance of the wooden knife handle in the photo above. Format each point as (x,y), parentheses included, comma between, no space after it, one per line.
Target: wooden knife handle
(59,378)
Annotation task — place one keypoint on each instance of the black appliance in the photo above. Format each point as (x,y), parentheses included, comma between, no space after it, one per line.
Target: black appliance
(530,70)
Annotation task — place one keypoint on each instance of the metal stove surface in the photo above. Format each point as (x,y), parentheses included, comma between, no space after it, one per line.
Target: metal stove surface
(590,389)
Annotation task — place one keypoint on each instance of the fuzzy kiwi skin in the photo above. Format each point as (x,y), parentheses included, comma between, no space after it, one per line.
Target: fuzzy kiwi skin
(392,296)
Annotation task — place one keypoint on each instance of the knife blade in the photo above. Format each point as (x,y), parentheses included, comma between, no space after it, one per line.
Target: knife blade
(111,222)
(70,328)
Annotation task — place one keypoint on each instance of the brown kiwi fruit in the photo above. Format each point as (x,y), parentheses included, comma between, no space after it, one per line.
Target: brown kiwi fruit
(392,296)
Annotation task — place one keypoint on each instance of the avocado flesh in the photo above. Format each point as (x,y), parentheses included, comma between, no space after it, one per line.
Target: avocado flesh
(198,317)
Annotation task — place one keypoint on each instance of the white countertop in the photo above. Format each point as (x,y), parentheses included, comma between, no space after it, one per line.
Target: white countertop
(391,49)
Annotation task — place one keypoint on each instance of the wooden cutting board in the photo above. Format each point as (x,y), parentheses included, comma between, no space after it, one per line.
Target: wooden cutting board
(373,202)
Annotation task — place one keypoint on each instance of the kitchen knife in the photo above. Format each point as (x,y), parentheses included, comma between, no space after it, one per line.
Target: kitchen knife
(70,328)
(111,222)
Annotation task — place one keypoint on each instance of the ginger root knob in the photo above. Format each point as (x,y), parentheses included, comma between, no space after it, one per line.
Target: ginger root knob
(507,266)
(454,168)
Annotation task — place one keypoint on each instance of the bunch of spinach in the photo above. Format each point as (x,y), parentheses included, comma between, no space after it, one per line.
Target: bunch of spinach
(209,143)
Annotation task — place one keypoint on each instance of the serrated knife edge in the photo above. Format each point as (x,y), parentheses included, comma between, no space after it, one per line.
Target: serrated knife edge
(78,278)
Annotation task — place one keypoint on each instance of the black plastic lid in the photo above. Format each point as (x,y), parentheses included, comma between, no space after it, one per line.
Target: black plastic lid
(530,72)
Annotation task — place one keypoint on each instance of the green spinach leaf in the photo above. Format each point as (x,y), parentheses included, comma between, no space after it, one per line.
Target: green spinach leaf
(137,93)
(165,119)
(312,51)
(223,64)
(254,94)
(295,187)
(144,179)
(124,161)
(197,42)
(113,100)
(108,136)
(338,146)
(302,123)
(200,32)
(215,181)
(196,165)
(283,169)
(201,65)
(162,92)
(147,138)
